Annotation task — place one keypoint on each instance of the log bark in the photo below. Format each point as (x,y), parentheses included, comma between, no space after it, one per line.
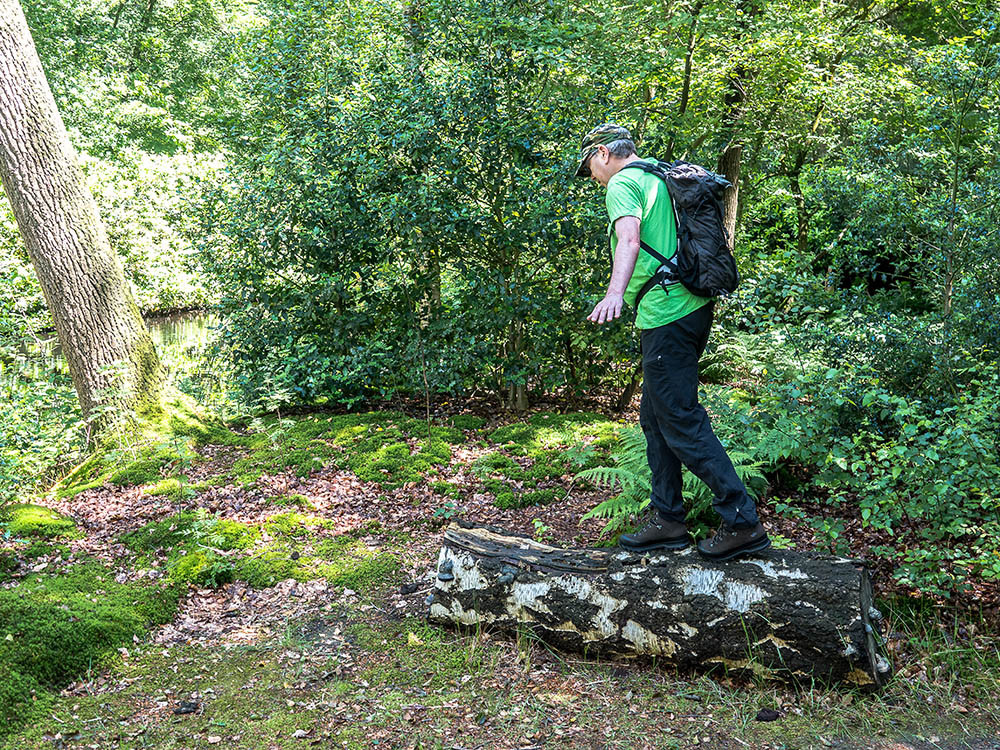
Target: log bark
(110,354)
(782,614)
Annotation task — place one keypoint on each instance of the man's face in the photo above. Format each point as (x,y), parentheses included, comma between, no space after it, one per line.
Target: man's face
(600,171)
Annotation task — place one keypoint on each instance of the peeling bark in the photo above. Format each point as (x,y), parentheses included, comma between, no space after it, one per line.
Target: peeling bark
(783,614)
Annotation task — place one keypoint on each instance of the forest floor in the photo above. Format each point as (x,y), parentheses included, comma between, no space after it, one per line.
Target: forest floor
(293,566)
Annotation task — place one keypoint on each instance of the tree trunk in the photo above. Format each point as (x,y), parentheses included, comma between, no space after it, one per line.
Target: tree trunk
(730,159)
(729,167)
(782,614)
(626,396)
(108,349)
(692,43)
(801,210)
(517,393)
(144,24)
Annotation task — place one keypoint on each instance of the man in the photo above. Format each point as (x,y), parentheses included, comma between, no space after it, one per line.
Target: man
(674,326)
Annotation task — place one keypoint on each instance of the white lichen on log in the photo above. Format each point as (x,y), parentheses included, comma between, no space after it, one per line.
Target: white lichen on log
(784,613)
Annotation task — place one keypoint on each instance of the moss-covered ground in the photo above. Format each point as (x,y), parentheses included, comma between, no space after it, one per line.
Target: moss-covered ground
(262,585)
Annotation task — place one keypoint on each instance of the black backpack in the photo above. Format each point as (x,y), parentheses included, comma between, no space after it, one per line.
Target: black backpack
(704,261)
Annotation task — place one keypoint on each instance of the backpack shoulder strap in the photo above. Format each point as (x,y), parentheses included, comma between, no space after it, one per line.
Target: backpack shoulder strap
(658,170)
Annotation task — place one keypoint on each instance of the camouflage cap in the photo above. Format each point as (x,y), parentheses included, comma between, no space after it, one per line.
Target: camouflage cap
(602,135)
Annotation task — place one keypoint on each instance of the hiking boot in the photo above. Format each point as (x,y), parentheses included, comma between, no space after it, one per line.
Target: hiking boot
(656,533)
(728,544)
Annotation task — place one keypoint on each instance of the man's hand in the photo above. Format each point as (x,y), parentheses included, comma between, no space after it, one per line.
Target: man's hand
(607,309)
(627,250)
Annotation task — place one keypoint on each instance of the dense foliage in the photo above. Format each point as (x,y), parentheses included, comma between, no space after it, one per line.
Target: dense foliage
(379,198)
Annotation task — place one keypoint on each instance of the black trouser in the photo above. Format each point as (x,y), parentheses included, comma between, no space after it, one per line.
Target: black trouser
(677,428)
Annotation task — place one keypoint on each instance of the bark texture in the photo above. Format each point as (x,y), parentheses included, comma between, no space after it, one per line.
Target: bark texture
(109,351)
(784,614)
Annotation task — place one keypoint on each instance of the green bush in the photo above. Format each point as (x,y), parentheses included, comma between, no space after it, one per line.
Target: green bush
(922,471)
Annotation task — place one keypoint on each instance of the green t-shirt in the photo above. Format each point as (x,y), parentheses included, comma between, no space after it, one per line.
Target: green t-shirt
(632,192)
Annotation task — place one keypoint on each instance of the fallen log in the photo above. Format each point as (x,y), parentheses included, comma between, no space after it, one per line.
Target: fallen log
(784,614)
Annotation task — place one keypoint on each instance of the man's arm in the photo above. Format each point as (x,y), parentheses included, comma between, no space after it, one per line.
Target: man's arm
(626,253)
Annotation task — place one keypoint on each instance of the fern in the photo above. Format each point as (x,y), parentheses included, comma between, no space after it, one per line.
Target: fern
(778,443)
(632,477)
(630,474)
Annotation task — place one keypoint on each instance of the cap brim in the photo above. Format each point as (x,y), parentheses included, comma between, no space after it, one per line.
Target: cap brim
(582,169)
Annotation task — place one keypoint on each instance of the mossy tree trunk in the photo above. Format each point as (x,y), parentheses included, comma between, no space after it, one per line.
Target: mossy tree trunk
(110,354)
(784,614)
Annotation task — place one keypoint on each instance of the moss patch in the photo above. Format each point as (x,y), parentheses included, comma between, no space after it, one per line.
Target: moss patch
(293,500)
(446,489)
(467,422)
(546,431)
(298,553)
(435,659)
(28,520)
(208,551)
(385,447)
(497,463)
(157,448)
(287,525)
(8,565)
(244,701)
(515,499)
(177,489)
(195,542)
(54,628)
